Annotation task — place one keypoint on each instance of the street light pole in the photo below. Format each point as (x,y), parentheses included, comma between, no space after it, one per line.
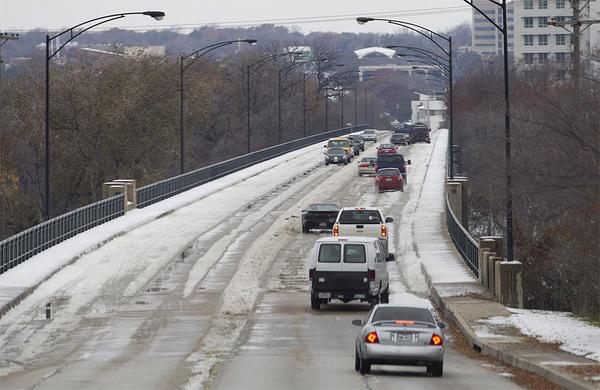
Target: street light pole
(303,104)
(158,15)
(342,108)
(195,55)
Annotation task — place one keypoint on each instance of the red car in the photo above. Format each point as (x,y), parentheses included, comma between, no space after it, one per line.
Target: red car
(389,179)
(386,149)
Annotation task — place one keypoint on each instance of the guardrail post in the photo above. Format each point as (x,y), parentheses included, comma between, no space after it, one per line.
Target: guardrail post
(508,283)
(485,247)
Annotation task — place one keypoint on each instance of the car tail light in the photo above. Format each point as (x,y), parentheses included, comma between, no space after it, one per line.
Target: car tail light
(436,340)
(312,273)
(336,230)
(371,275)
(372,338)
(383,231)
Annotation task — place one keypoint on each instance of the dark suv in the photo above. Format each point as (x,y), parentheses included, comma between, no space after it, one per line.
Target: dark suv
(392,161)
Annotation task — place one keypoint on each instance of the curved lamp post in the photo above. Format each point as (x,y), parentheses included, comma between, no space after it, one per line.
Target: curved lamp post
(195,55)
(70,35)
(431,36)
(504,30)
(250,70)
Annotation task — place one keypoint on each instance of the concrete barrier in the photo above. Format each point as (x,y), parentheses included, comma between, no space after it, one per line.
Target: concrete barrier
(508,283)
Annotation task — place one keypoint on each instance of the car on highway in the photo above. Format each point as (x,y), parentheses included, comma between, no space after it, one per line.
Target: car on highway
(370,135)
(360,139)
(386,148)
(389,179)
(341,142)
(393,161)
(363,222)
(336,156)
(355,146)
(366,166)
(319,216)
(396,334)
(348,268)
(399,139)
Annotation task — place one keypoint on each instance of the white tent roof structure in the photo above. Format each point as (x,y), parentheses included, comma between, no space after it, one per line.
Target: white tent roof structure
(361,53)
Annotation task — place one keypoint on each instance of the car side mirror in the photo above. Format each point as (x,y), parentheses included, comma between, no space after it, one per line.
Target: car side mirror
(389,219)
(407,162)
(324,146)
(390,257)
(442,325)
(357,322)
(303,211)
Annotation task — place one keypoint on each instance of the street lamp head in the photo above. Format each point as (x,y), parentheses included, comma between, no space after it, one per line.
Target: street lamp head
(158,15)
(250,41)
(363,20)
(392,46)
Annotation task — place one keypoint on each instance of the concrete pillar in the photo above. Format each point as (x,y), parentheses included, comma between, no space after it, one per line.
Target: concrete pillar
(455,199)
(485,245)
(508,283)
(492,260)
(131,194)
(112,188)
(498,245)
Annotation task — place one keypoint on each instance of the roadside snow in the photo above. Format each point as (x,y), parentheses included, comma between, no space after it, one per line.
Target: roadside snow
(573,335)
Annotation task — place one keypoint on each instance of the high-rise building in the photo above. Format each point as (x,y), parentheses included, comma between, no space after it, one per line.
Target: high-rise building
(487,39)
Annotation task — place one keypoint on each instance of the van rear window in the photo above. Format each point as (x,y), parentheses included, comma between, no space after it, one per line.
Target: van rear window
(330,253)
(360,217)
(354,253)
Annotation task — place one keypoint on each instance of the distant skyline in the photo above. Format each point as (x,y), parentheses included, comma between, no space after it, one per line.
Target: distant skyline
(183,15)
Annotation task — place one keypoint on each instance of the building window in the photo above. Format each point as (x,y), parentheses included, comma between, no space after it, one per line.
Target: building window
(528,4)
(560,57)
(543,40)
(543,4)
(542,58)
(528,40)
(560,3)
(561,39)
(542,21)
(560,19)
(528,22)
(528,58)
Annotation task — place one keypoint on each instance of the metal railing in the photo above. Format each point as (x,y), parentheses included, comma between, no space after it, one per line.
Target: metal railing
(156,192)
(22,246)
(466,245)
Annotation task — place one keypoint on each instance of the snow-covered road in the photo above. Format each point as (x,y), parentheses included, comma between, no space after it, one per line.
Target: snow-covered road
(167,304)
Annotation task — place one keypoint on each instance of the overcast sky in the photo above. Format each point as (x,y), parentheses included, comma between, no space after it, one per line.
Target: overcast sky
(306,15)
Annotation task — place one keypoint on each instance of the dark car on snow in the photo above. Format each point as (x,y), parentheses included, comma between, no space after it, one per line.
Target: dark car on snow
(319,216)
(336,156)
(360,139)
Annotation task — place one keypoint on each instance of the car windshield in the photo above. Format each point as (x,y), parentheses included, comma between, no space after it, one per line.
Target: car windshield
(323,207)
(387,313)
(354,253)
(335,151)
(387,146)
(388,172)
(338,143)
(369,132)
(330,253)
(363,217)
(368,159)
(391,158)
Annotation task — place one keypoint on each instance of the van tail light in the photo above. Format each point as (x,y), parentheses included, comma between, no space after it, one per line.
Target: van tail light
(371,275)
(363,165)
(372,338)
(436,340)
(336,230)
(383,231)
(312,273)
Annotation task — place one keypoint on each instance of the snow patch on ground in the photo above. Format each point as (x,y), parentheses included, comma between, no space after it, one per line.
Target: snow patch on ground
(573,335)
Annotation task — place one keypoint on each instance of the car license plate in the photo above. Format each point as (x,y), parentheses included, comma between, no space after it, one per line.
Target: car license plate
(335,159)
(323,224)
(324,295)
(388,179)
(331,219)
(398,337)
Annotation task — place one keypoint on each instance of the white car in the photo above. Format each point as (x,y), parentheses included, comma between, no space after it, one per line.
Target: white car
(369,135)
(363,222)
(348,268)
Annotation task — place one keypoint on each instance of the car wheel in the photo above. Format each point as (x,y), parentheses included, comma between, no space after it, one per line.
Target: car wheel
(364,366)
(356,361)
(326,163)
(385,297)
(305,229)
(345,162)
(402,188)
(315,303)
(437,369)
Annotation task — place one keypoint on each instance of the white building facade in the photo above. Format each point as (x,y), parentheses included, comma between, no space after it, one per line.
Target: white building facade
(487,39)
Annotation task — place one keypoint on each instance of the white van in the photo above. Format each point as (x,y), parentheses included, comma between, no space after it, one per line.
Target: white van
(348,268)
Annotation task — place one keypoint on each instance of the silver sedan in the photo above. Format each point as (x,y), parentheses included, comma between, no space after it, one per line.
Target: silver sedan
(400,335)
